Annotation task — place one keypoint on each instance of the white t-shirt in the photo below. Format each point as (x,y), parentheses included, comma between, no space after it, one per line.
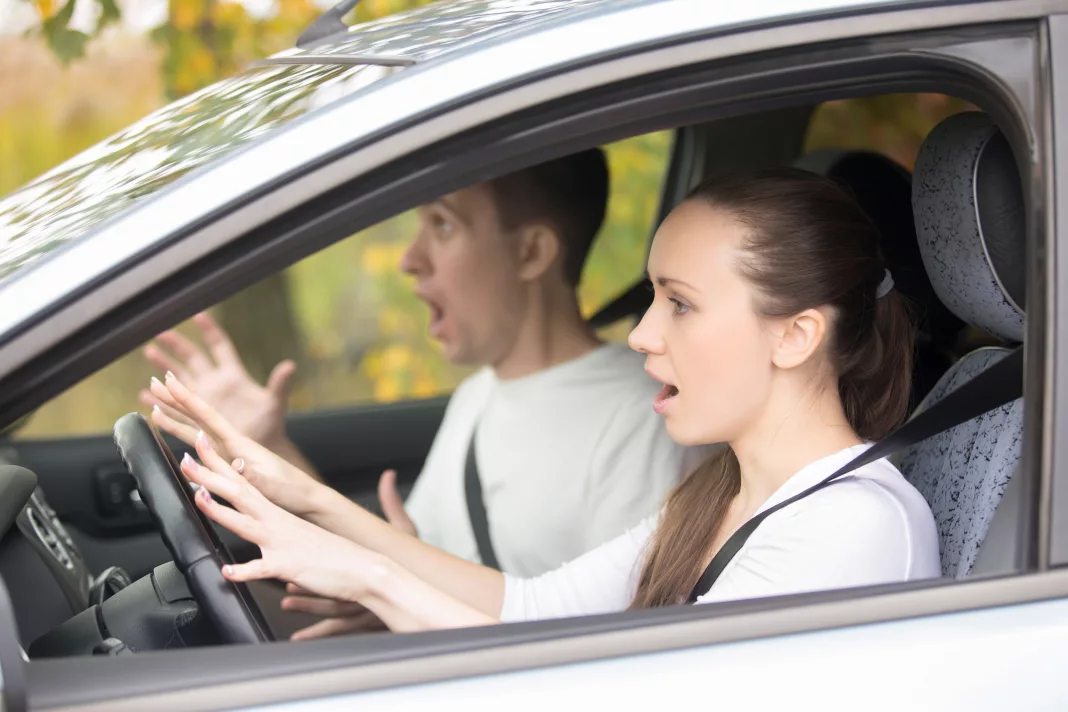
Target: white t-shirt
(569,458)
(870,527)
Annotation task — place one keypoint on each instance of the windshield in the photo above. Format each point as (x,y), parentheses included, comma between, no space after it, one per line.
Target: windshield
(158,150)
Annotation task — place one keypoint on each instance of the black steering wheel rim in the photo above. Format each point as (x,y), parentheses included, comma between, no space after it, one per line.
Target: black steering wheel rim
(188,534)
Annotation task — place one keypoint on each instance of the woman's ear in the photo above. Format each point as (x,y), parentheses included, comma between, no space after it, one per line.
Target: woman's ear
(539,246)
(801,335)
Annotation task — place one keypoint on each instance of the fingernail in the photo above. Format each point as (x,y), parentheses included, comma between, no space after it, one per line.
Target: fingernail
(239,466)
(228,570)
(168,375)
(156,408)
(202,439)
(205,494)
(186,460)
(156,380)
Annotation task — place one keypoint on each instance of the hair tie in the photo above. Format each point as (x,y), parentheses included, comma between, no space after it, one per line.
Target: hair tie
(885,286)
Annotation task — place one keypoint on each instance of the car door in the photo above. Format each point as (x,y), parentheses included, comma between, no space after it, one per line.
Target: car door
(888,644)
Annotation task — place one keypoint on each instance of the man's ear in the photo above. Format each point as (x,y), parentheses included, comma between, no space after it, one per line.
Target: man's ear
(798,338)
(539,246)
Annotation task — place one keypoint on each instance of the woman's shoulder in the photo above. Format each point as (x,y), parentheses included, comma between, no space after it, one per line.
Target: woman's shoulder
(873,509)
(874,493)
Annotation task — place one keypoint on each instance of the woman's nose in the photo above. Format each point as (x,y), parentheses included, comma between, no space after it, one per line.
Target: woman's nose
(645,338)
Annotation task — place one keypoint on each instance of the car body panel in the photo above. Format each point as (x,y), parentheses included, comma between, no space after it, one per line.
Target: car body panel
(957,661)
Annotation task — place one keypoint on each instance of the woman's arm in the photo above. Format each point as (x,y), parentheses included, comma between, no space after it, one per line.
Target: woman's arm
(280,483)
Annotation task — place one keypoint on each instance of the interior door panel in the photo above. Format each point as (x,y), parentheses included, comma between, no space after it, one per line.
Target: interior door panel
(88,486)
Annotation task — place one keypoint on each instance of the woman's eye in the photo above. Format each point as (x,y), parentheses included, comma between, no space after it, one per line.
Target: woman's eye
(678,307)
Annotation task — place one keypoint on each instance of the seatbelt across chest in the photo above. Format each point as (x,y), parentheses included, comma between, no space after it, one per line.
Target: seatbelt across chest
(476,506)
(999,384)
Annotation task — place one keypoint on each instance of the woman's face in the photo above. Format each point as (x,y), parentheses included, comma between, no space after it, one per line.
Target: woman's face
(702,336)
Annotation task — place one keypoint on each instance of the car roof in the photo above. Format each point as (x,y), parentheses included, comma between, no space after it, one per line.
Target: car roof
(163,174)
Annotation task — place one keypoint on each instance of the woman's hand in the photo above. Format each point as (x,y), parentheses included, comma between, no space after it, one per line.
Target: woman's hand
(319,562)
(279,481)
(291,549)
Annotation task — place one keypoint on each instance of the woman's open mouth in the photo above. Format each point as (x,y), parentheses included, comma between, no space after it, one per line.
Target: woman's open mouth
(664,398)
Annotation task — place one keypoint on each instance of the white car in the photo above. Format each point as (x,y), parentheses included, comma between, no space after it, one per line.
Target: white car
(233,184)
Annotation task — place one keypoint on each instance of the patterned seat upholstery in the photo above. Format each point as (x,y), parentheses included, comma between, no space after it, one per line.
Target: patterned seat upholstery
(969,212)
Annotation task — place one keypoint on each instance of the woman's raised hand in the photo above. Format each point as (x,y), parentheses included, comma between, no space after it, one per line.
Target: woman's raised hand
(292,549)
(185,415)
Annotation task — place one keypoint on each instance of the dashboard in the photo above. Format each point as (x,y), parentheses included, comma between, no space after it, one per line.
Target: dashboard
(45,573)
(61,608)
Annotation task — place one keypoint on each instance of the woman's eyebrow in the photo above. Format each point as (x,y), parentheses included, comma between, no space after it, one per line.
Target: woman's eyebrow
(667,281)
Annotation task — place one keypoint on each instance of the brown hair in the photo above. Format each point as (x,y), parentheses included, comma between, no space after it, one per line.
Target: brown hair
(568,193)
(807,244)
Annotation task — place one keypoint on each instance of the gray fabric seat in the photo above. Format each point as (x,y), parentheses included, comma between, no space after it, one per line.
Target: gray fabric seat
(969,213)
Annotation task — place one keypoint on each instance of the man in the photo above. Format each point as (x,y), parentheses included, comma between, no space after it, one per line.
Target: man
(568,452)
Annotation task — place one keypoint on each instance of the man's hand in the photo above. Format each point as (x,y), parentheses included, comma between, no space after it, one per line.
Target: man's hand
(393,505)
(339,617)
(256,411)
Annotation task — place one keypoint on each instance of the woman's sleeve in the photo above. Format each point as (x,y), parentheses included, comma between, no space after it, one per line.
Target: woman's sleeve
(600,581)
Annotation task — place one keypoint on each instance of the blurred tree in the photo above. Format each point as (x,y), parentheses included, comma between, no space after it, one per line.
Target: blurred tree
(204,41)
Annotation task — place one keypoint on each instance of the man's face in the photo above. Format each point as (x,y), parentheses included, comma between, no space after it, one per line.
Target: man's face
(466,270)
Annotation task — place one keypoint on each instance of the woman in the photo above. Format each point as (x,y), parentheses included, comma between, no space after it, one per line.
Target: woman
(774,328)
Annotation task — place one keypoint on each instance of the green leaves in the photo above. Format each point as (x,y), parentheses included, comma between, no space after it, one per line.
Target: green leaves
(67,43)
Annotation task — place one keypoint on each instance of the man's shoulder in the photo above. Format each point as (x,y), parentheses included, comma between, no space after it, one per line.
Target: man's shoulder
(620,371)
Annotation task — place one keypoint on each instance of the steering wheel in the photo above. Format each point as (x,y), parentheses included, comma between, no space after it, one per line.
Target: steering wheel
(197,550)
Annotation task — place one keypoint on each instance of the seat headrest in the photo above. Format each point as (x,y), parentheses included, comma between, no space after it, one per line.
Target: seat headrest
(883,188)
(969,209)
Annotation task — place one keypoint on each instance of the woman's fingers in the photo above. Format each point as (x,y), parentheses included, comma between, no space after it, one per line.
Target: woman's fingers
(185,433)
(229,488)
(163,396)
(254,570)
(323,607)
(326,629)
(241,524)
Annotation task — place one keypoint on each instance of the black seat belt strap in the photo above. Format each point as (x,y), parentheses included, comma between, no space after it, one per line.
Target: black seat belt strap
(999,384)
(476,507)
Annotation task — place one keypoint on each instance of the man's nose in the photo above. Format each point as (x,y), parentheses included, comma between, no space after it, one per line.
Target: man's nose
(414,261)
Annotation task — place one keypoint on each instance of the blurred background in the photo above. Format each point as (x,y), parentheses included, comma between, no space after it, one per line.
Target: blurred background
(73,72)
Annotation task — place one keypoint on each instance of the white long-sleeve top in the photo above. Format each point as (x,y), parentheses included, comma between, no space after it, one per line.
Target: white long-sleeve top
(870,527)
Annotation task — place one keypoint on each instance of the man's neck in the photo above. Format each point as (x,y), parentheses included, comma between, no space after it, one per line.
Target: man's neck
(551,332)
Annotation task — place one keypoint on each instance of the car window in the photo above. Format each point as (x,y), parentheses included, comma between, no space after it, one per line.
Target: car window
(891,124)
(349,318)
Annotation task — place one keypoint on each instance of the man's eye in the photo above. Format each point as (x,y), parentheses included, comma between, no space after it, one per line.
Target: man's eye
(678,307)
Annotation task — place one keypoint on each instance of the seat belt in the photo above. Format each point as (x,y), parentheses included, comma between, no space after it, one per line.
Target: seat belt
(476,507)
(999,384)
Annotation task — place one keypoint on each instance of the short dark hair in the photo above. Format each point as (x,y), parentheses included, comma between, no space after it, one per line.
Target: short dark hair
(568,193)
